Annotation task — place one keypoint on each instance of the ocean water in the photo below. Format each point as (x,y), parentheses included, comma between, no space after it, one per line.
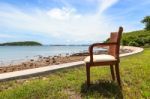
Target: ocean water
(12,54)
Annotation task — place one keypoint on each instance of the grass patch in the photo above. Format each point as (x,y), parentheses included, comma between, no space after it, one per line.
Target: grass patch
(70,83)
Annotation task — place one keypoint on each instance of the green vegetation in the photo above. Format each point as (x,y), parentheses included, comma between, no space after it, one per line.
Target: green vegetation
(136,38)
(70,83)
(146,21)
(25,43)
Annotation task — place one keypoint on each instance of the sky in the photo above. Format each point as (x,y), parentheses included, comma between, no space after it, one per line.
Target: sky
(69,21)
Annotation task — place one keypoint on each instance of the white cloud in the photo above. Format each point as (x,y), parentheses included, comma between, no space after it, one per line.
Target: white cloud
(63,14)
(6,36)
(104,4)
(60,22)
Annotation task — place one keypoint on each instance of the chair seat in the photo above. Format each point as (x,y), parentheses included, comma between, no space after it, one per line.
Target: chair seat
(100,58)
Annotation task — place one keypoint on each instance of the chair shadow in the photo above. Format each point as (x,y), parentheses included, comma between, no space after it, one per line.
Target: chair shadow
(104,88)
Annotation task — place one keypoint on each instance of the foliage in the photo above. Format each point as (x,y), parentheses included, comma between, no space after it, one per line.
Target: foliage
(25,43)
(136,38)
(146,21)
(70,83)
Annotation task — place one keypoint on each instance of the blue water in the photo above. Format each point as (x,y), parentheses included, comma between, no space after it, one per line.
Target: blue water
(10,54)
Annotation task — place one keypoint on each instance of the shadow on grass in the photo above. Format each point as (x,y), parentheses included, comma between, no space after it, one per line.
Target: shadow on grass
(103,88)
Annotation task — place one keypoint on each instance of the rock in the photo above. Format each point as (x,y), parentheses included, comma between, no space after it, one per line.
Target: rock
(53,60)
(31,60)
(47,60)
(80,54)
(31,64)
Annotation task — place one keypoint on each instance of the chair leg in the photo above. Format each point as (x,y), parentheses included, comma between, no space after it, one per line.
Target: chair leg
(112,72)
(88,74)
(118,74)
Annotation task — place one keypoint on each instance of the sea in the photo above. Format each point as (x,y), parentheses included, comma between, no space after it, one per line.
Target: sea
(14,54)
(10,55)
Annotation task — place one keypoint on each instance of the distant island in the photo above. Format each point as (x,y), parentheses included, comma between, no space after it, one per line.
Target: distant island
(23,43)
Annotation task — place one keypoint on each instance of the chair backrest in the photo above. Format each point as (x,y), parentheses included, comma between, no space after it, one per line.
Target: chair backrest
(115,37)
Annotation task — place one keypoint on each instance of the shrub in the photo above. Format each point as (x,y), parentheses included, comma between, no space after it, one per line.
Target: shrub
(133,43)
(136,38)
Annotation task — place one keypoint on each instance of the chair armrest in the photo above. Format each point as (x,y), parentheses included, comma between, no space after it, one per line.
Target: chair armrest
(100,45)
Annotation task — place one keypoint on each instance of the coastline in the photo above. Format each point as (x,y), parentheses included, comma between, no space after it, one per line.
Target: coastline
(42,61)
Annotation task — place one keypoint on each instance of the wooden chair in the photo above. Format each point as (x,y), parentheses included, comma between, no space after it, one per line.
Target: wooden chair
(111,59)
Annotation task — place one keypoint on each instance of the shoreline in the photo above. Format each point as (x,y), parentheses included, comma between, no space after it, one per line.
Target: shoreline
(42,61)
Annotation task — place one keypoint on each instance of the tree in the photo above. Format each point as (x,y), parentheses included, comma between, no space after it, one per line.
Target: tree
(146,21)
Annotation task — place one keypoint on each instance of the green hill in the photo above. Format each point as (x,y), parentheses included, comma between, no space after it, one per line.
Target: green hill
(24,43)
(136,38)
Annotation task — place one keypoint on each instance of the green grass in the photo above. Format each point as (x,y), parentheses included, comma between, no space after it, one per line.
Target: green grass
(70,83)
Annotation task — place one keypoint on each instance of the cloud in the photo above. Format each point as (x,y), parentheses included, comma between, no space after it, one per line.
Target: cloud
(62,14)
(104,4)
(60,23)
(6,36)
